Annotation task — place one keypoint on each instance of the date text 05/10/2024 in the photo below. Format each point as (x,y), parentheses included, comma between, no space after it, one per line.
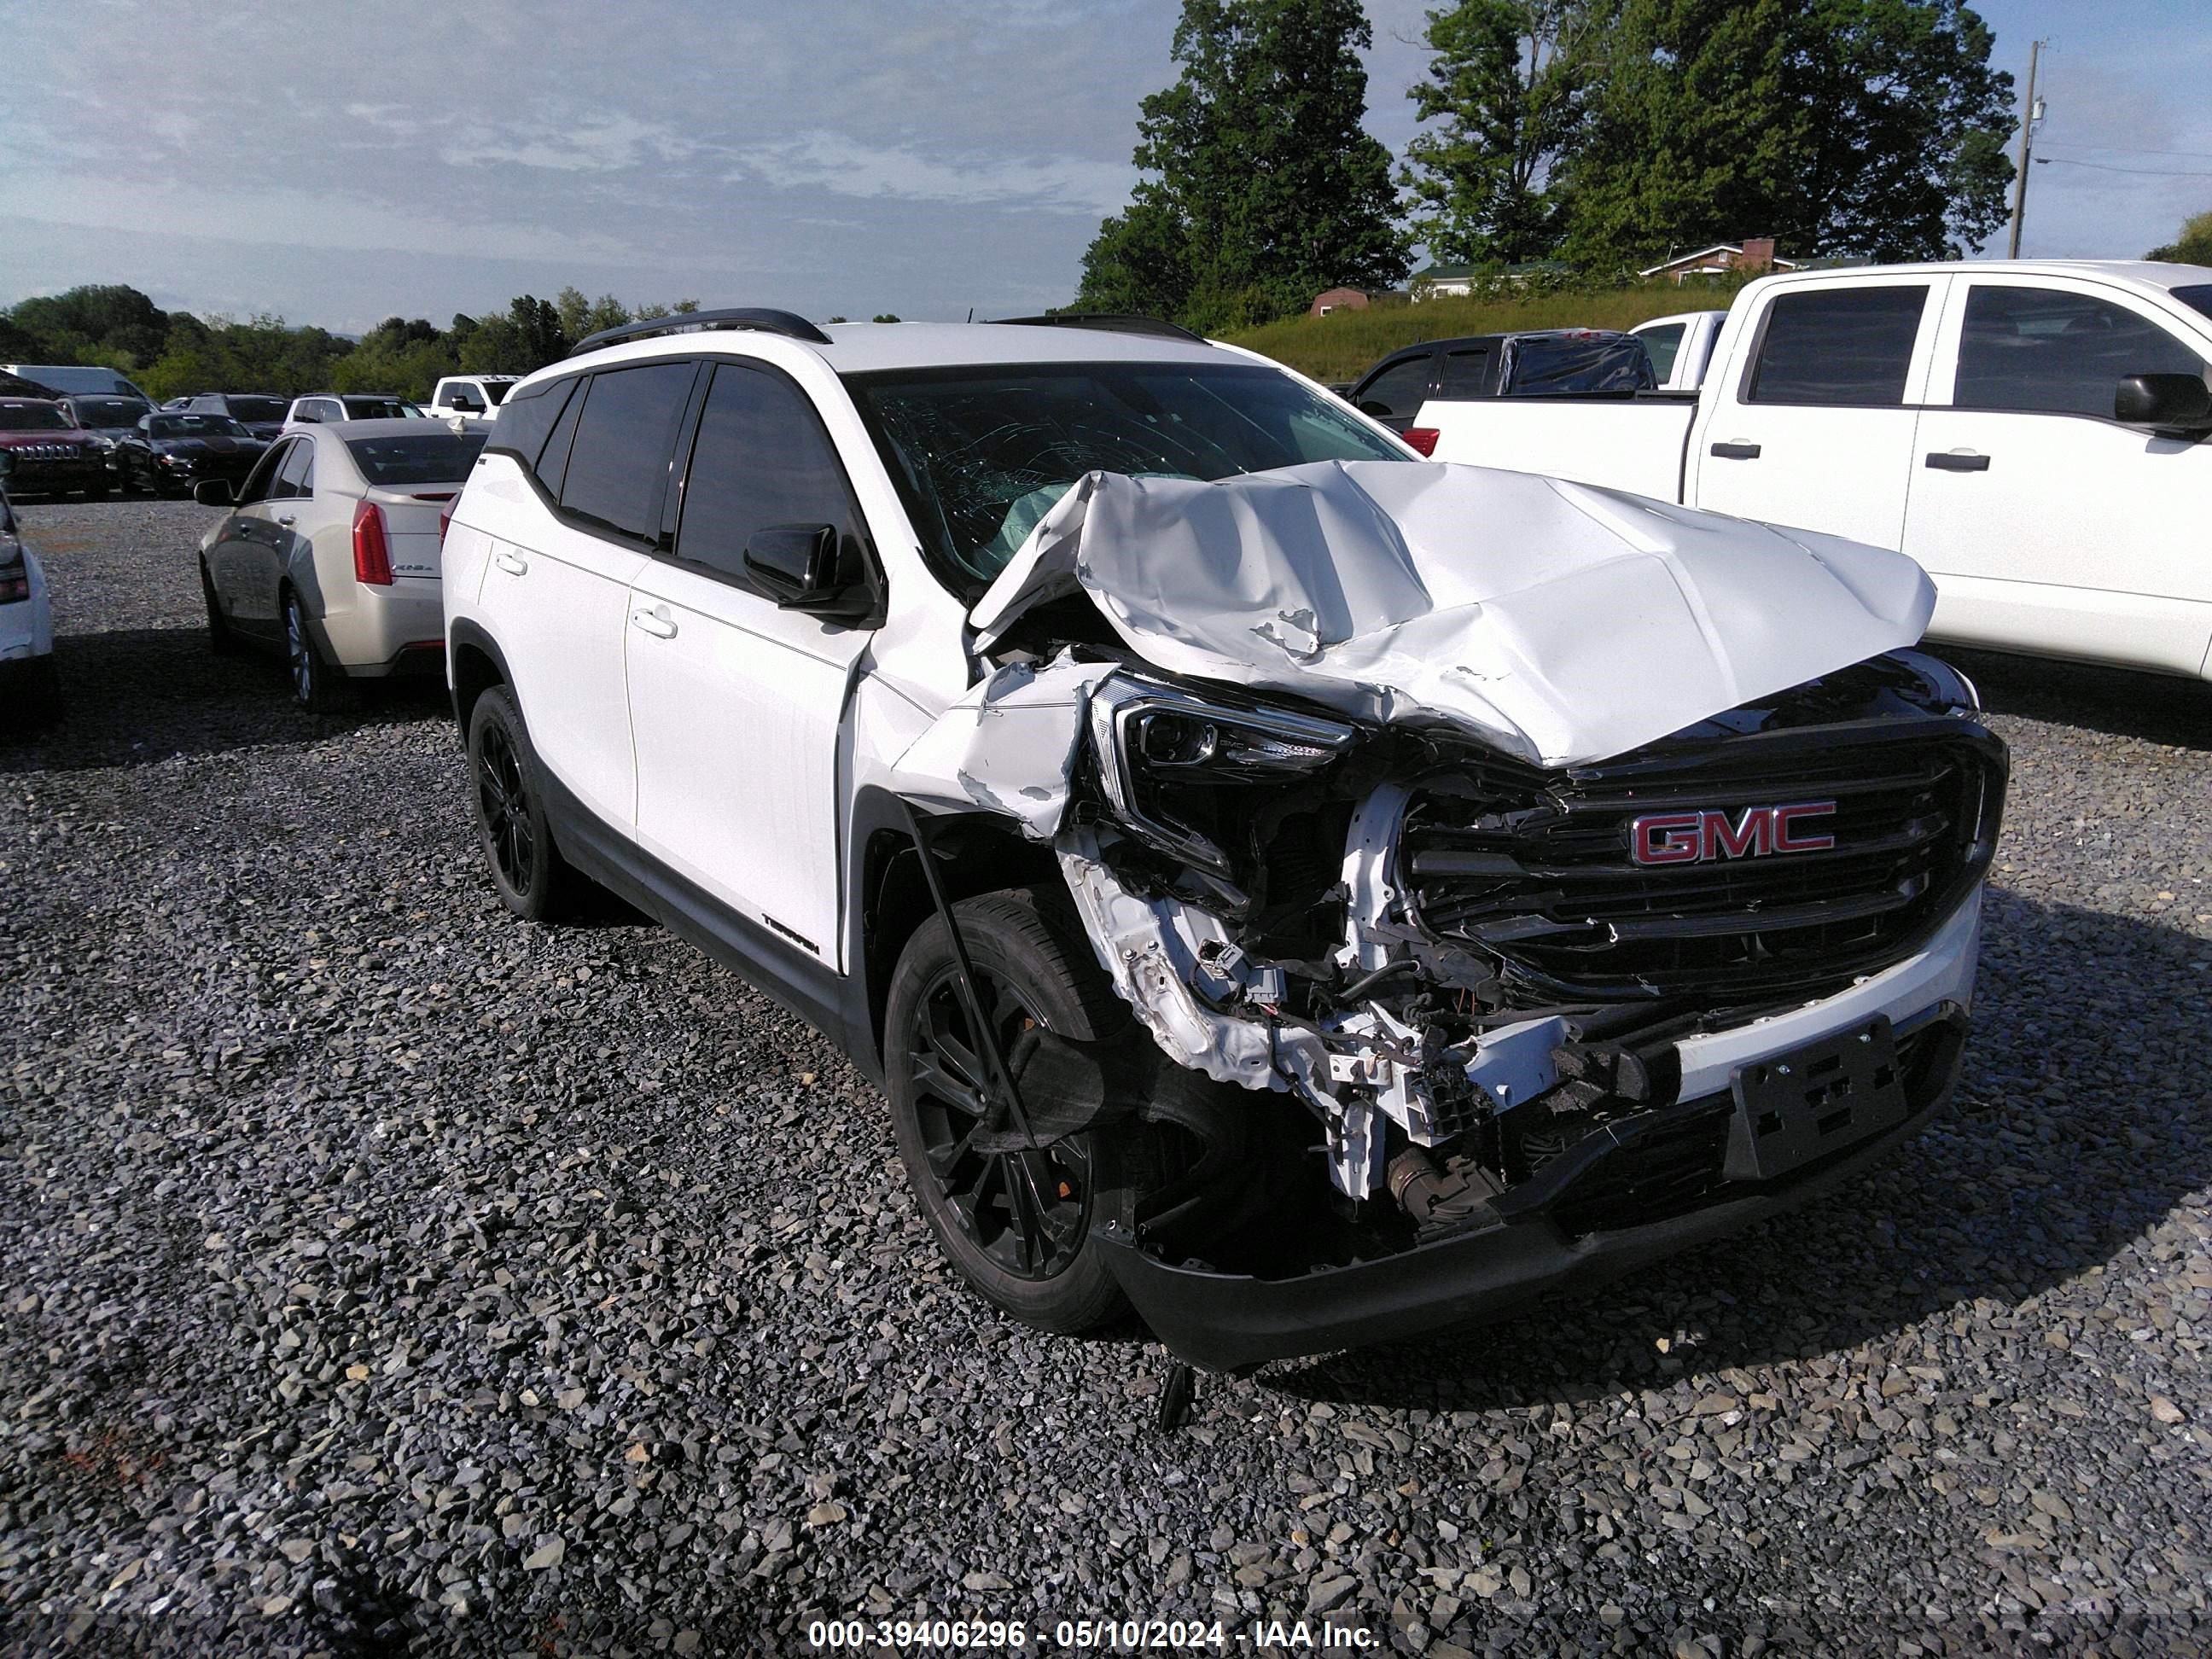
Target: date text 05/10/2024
(903,1636)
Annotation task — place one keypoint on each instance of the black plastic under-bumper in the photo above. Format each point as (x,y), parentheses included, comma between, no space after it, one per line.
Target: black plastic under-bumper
(1226,1322)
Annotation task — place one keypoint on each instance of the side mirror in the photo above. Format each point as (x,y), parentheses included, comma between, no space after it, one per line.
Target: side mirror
(1369,406)
(214,492)
(465,406)
(2179,403)
(803,568)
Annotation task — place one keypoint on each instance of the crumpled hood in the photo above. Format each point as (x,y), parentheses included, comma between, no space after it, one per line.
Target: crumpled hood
(1565,622)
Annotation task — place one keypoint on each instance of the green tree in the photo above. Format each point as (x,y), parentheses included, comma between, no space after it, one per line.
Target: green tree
(1505,88)
(2192,247)
(573,307)
(1872,127)
(1262,187)
(109,317)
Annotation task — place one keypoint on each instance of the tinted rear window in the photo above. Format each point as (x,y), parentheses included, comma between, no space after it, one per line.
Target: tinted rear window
(618,464)
(31,417)
(196,426)
(109,411)
(2197,296)
(1468,373)
(1538,364)
(1663,343)
(424,458)
(526,420)
(1846,345)
(257,408)
(376,408)
(496,390)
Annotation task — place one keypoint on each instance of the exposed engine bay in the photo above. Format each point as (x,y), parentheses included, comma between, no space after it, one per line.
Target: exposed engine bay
(1460,933)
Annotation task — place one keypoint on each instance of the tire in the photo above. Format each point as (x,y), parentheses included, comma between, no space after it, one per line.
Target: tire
(316,686)
(1034,1260)
(222,639)
(533,879)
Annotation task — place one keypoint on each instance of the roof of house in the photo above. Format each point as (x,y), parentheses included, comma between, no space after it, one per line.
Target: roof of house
(1781,263)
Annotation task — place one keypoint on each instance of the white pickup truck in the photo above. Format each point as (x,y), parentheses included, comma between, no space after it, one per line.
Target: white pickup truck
(2037,436)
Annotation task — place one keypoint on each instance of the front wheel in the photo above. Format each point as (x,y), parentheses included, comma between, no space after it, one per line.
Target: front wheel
(1016,1224)
(220,638)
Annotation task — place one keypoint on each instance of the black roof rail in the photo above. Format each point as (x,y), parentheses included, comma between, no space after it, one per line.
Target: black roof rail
(764,319)
(1113,322)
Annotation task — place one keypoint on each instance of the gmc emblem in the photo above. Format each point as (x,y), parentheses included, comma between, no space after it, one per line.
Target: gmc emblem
(1692,837)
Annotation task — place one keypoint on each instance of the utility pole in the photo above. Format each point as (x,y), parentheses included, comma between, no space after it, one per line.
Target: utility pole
(2030,112)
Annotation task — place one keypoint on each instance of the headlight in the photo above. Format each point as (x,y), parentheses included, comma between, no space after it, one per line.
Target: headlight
(1146,734)
(101,446)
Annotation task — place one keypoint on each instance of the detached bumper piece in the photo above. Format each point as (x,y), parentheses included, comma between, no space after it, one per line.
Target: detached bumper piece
(1642,1188)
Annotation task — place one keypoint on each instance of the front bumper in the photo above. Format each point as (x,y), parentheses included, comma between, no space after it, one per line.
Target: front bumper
(1554,1233)
(36,475)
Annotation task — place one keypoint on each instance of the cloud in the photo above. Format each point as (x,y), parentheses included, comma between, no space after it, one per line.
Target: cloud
(600,144)
(275,216)
(844,165)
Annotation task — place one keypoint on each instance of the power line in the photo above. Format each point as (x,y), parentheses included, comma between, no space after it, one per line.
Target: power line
(2107,167)
(2133,149)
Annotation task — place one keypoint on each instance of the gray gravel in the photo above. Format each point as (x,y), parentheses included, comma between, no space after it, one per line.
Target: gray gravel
(381,1275)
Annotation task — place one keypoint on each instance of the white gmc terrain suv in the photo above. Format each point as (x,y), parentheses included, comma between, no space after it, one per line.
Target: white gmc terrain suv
(1307,892)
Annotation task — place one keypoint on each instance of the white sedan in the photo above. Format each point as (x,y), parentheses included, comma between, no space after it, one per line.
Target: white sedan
(30,691)
(329,553)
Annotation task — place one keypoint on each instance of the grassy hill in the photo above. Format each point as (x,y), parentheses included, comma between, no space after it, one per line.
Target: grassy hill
(1340,346)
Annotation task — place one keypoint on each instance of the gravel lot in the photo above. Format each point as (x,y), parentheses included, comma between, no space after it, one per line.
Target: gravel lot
(384,1275)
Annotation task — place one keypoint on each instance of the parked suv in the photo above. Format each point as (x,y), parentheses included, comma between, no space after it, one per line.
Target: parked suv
(1308,893)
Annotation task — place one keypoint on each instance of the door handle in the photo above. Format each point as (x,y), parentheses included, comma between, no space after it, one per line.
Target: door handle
(1737,451)
(659,624)
(509,563)
(1957,460)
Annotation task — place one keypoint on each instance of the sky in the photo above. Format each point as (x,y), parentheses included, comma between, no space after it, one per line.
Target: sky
(335,163)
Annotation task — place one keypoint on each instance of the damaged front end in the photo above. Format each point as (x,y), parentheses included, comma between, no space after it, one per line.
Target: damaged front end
(1466,1013)
(1479,1024)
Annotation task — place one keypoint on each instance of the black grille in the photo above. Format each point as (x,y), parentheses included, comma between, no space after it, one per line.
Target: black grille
(1675,1164)
(1535,867)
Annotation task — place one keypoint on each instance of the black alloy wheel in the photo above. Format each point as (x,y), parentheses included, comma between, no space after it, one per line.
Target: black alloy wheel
(503,805)
(1014,1220)
(1027,1212)
(533,879)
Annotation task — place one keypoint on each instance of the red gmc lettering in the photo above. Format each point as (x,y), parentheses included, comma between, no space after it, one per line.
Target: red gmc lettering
(1694,837)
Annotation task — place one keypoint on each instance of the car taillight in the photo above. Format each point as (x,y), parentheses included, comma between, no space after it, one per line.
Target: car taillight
(444,523)
(1424,438)
(372,555)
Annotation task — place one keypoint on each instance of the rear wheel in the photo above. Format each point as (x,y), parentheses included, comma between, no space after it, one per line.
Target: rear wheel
(316,686)
(533,879)
(1016,1224)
